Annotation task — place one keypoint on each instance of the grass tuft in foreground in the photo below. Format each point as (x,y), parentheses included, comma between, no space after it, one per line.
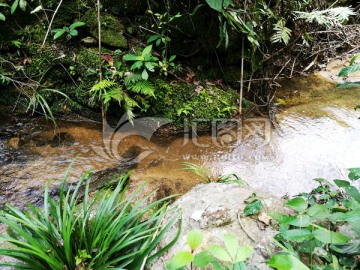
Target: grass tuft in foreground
(107,231)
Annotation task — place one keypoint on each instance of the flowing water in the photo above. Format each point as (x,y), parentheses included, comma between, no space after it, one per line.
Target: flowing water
(316,135)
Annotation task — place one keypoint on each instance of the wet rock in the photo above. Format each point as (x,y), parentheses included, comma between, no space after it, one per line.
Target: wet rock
(24,138)
(216,209)
(40,140)
(111,32)
(14,143)
(62,139)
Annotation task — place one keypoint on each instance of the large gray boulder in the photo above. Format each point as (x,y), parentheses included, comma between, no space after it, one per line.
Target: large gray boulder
(216,209)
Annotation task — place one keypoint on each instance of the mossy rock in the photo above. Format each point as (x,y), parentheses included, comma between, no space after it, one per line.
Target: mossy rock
(112,29)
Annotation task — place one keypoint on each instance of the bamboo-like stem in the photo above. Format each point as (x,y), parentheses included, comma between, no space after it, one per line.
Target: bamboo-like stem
(100,65)
(241,76)
(50,24)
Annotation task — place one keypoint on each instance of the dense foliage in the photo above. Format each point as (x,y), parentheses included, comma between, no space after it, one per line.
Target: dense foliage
(108,229)
(55,46)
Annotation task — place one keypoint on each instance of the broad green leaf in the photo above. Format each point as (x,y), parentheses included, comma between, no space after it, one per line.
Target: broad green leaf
(231,244)
(353,248)
(301,221)
(348,70)
(194,239)
(136,65)
(149,66)
(218,5)
(144,75)
(287,262)
(203,258)
(2,17)
(73,32)
(22,4)
(318,211)
(180,259)
(244,253)
(296,235)
(253,208)
(14,6)
(282,219)
(76,24)
(353,192)
(152,38)
(219,253)
(172,58)
(4,5)
(354,174)
(146,51)
(59,33)
(341,183)
(327,236)
(133,57)
(298,204)
(352,216)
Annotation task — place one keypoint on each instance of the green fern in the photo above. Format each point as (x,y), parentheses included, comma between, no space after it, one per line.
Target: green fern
(143,87)
(131,79)
(282,33)
(329,17)
(99,89)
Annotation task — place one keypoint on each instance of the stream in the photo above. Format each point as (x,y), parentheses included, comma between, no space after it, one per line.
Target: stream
(316,135)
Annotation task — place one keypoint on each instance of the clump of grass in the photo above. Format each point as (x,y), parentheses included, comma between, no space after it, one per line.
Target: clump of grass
(206,175)
(107,231)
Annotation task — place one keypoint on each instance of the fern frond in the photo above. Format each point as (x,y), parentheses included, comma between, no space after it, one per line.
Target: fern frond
(131,79)
(103,85)
(115,93)
(282,33)
(99,89)
(329,17)
(143,87)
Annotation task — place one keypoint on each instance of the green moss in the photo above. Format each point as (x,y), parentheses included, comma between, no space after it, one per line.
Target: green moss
(112,29)
(181,101)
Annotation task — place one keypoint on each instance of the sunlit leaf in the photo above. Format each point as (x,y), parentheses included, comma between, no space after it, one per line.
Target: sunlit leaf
(243,253)
(287,262)
(348,70)
(231,244)
(296,235)
(203,258)
(219,252)
(318,211)
(327,236)
(180,259)
(194,239)
(298,204)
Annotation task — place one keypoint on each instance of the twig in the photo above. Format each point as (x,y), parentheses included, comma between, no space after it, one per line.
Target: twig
(51,22)
(242,76)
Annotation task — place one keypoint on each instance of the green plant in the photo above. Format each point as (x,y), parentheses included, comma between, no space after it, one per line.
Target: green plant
(107,230)
(18,3)
(71,30)
(206,175)
(37,99)
(145,62)
(231,257)
(353,67)
(2,16)
(312,233)
(108,90)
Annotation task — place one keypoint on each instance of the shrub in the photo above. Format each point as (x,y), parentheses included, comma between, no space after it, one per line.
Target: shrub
(109,230)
